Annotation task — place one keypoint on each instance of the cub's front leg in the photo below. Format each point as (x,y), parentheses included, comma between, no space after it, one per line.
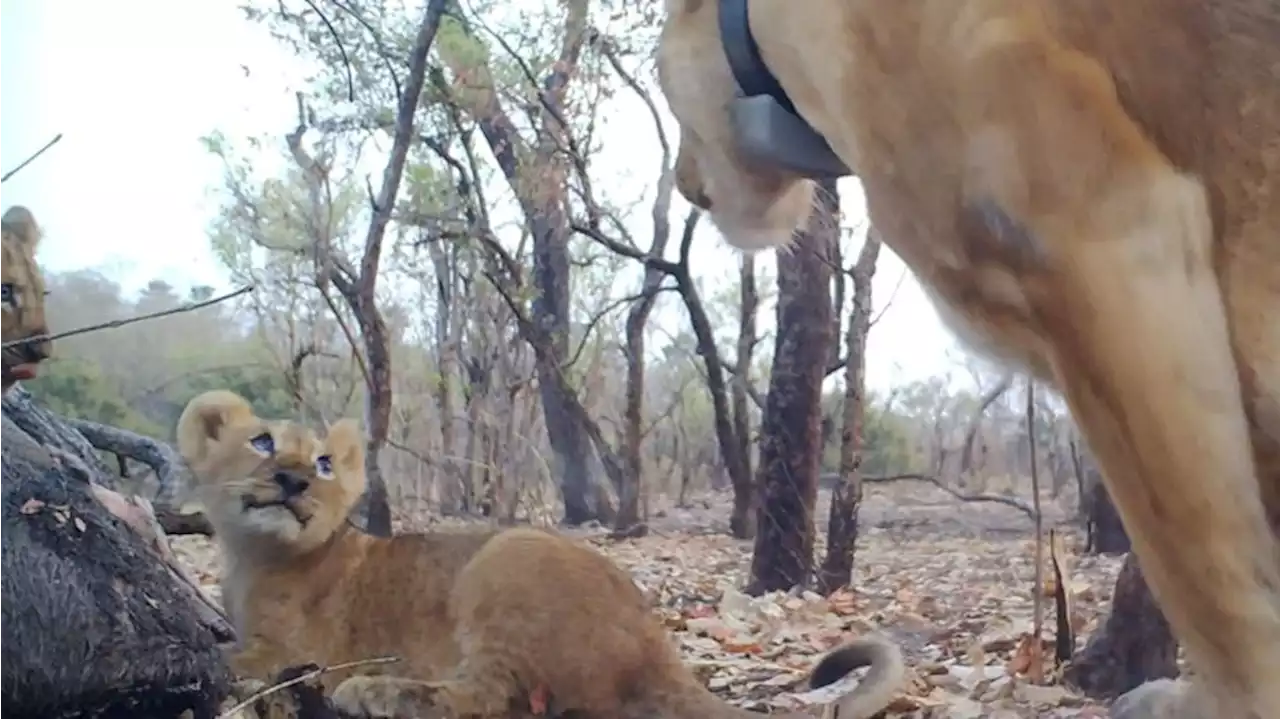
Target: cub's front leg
(387,697)
(383,697)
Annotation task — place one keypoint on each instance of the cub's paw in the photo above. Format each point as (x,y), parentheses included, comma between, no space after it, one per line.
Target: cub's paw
(1162,699)
(381,697)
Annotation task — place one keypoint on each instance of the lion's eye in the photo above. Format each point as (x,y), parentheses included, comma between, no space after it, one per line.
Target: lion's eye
(324,466)
(264,443)
(10,297)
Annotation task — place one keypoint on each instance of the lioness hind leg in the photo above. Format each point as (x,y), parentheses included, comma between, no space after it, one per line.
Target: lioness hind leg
(1123,292)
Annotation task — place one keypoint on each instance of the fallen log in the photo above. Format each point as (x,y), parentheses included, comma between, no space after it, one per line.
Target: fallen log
(94,622)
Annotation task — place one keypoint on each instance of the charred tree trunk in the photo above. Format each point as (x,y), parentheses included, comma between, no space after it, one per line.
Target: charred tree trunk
(1105,531)
(94,622)
(791,438)
(1134,646)
(742,521)
(846,497)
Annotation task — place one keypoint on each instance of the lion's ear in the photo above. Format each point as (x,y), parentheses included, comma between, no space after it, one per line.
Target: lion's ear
(206,418)
(345,443)
(20,224)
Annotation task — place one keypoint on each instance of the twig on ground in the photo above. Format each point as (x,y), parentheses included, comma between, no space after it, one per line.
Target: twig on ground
(130,320)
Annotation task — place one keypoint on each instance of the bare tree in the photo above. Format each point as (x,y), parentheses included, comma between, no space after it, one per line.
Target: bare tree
(637,319)
(842,526)
(538,175)
(1105,533)
(791,438)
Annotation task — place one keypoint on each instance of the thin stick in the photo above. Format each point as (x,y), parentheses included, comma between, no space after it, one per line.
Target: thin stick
(130,320)
(29,160)
(1037,611)
(303,678)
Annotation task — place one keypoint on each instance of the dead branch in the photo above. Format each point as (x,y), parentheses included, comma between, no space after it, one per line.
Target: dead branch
(342,50)
(130,320)
(171,473)
(902,276)
(1018,504)
(56,139)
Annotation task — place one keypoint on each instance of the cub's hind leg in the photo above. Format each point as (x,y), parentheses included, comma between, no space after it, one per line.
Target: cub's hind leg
(1124,295)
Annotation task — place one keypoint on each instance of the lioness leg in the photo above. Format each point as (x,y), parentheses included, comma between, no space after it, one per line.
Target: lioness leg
(1125,295)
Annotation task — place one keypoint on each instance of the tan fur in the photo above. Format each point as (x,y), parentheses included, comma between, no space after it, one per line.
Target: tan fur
(23,310)
(480,619)
(1091,189)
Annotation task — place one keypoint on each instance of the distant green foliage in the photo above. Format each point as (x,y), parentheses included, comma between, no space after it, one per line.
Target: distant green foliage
(76,388)
(886,436)
(140,377)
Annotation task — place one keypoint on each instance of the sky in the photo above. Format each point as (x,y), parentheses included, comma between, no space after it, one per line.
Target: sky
(134,84)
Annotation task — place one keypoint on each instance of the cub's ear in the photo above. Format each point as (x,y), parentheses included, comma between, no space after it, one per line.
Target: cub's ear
(345,444)
(20,224)
(206,419)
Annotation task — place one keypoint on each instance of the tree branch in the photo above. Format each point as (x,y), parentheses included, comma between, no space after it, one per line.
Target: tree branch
(130,320)
(1014,502)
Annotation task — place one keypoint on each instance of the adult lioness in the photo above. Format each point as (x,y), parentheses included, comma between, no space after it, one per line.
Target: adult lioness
(1088,188)
(481,620)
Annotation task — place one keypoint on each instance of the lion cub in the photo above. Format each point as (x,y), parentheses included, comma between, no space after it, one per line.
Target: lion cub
(481,620)
(22,308)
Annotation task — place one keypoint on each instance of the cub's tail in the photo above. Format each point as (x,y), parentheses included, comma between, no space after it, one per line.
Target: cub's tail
(877,689)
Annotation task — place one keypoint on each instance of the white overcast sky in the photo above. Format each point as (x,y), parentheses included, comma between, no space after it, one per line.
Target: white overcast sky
(134,84)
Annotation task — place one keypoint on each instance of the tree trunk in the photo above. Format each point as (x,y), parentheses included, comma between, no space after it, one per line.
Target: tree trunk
(1106,534)
(742,520)
(1134,646)
(95,623)
(791,446)
(846,496)
(637,320)
(735,461)
(536,174)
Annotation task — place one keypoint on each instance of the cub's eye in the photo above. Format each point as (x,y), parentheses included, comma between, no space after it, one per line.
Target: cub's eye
(264,443)
(10,297)
(324,466)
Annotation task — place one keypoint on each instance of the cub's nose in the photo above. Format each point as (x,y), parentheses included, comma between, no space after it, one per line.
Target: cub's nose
(42,350)
(291,483)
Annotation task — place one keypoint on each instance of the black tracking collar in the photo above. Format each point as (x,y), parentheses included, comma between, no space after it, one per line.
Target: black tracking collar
(753,76)
(766,125)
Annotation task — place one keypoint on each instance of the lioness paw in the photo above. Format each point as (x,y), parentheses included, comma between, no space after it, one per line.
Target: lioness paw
(1162,699)
(378,697)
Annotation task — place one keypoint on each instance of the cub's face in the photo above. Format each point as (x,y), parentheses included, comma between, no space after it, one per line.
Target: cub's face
(22,307)
(274,485)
